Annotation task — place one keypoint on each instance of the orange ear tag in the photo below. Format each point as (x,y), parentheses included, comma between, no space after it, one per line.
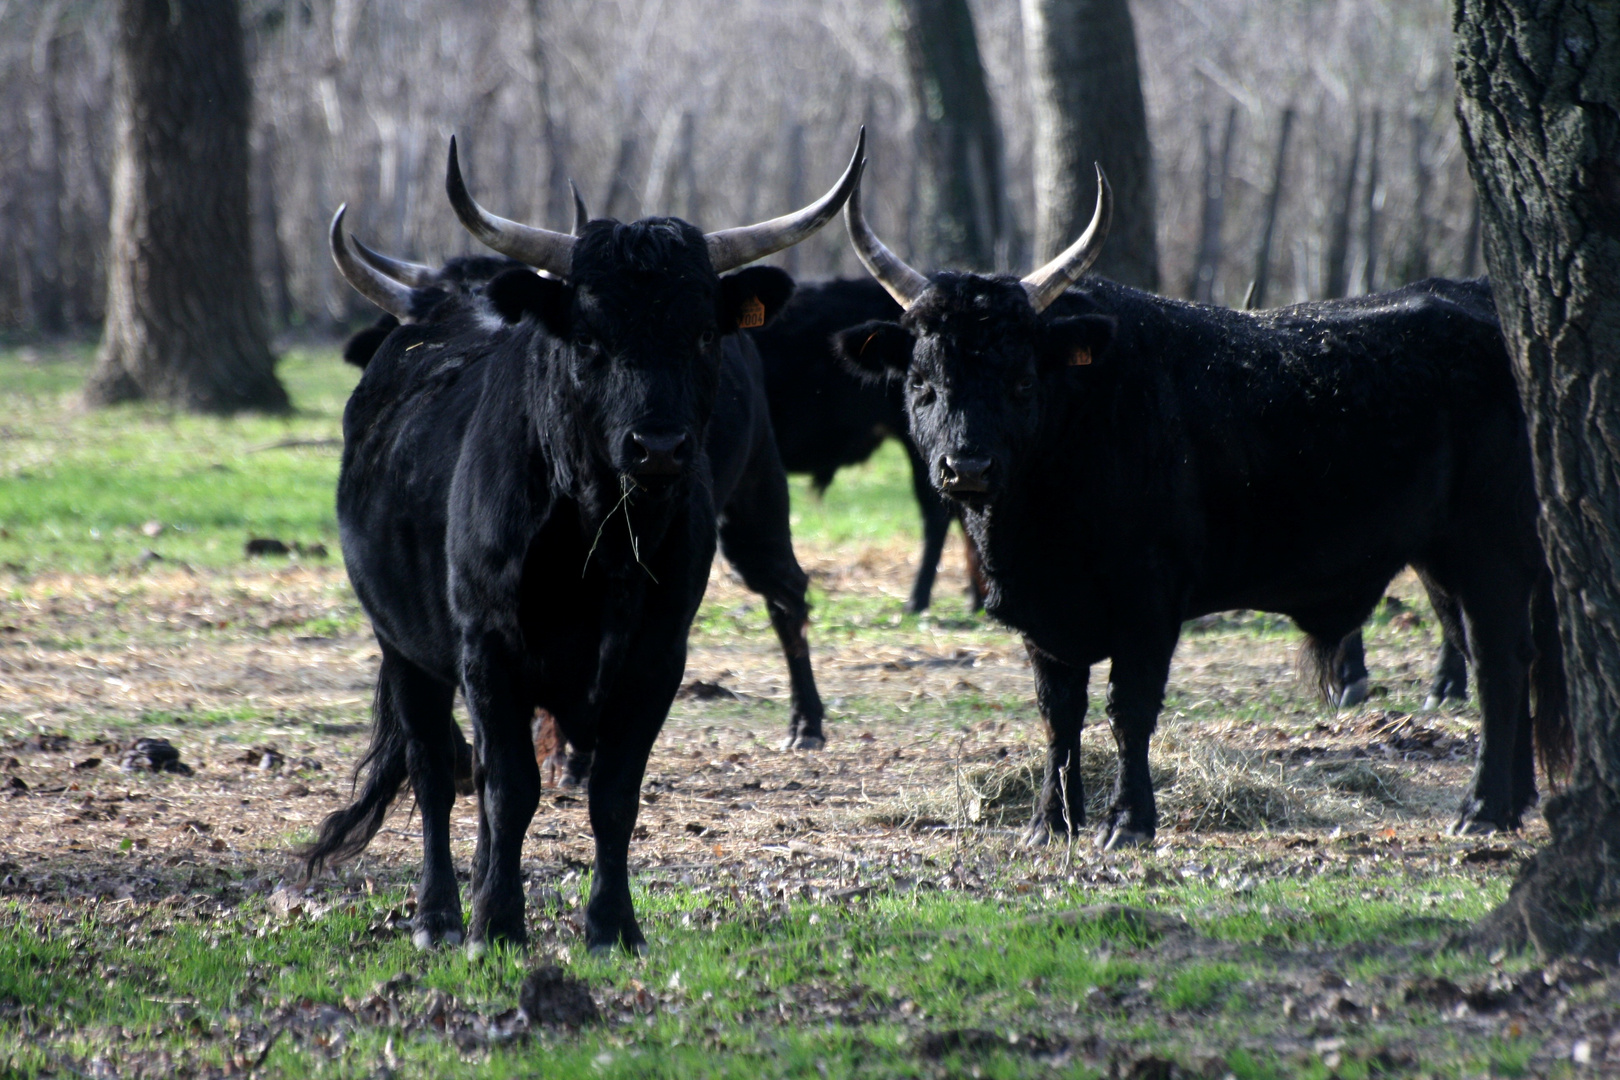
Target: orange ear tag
(1081,357)
(751,314)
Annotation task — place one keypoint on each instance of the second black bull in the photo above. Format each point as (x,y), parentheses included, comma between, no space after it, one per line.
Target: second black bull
(1126,462)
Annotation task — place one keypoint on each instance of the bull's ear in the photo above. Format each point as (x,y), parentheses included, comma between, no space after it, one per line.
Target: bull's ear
(874,351)
(516,294)
(751,298)
(360,348)
(1077,341)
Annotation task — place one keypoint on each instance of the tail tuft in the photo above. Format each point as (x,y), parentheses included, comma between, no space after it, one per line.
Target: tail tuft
(1549,694)
(345,833)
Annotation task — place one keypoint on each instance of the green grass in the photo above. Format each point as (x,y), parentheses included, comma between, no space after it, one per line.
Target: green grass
(77,486)
(736,986)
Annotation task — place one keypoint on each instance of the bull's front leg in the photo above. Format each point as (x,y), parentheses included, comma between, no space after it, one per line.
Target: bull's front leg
(508,781)
(1135,695)
(1060,692)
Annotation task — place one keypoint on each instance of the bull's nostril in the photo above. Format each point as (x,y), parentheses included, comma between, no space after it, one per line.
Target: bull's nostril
(657,455)
(964,474)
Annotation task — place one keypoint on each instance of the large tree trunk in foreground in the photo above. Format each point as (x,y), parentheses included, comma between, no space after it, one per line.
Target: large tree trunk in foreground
(1539,93)
(1087,91)
(185,322)
(962,200)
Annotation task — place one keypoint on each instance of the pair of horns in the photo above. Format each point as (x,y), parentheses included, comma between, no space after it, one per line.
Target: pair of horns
(728,248)
(389,283)
(1043,286)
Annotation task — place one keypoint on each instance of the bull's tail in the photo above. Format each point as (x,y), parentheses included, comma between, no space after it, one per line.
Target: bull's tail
(1549,695)
(345,833)
(1319,666)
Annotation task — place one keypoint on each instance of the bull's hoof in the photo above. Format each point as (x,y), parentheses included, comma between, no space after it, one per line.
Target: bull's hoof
(433,930)
(803,742)
(477,949)
(1354,694)
(1042,832)
(569,780)
(1476,820)
(1123,836)
(1432,702)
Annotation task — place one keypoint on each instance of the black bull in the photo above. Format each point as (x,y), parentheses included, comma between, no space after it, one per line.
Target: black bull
(827,417)
(1126,462)
(528,508)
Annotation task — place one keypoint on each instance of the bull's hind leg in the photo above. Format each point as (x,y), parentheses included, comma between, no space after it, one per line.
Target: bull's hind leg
(1350,671)
(1060,692)
(508,785)
(756,539)
(1451,672)
(432,744)
(1495,600)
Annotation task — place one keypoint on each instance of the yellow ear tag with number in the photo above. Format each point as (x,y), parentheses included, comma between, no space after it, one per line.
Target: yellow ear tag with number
(751,314)
(1081,357)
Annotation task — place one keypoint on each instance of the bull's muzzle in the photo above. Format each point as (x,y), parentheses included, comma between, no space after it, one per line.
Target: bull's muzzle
(963,475)
(655,457)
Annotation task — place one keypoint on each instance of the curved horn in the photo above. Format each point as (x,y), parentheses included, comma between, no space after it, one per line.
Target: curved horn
(540,248)
(581,215)
(380,289)
(731,248)
(416,275)
(1047,284)
(901,281)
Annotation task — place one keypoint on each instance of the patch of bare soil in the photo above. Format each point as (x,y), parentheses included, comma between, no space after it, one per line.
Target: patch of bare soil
(222,663)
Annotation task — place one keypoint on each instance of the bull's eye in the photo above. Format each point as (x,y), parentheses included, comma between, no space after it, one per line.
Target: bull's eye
(706,339)
(922,391)
(585,343)
(1023,386)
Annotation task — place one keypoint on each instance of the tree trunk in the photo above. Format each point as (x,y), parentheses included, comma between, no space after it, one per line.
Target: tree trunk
(48,146)
(1217,167)
(185,322)
(1415,266)
(1336,275)
(1087,91)
(557,205)
(962,179)
(1262,259)
(1538,94)
(1369,220)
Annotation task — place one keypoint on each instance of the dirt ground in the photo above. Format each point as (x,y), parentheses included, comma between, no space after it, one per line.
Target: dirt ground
(220,663)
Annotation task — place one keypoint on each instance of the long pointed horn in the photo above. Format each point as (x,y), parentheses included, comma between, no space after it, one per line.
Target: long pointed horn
(731,248)
(416,275)
(540,248)
(1047,284)
(582,216)
(380,289)
(901,281)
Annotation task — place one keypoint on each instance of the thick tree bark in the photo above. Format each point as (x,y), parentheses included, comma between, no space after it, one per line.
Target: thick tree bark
(185,322)
(1087,90)
(961,197)
(1539,107)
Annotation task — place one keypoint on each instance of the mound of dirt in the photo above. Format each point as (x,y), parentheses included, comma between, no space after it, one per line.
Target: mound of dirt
(551,996)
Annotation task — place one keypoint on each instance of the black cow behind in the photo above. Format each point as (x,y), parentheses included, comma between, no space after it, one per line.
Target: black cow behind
(527,507)
(1126,462)
(827,418)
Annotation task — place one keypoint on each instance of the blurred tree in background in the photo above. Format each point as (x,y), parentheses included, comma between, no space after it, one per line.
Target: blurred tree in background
(1086,89)
(356,101)
(184,319)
